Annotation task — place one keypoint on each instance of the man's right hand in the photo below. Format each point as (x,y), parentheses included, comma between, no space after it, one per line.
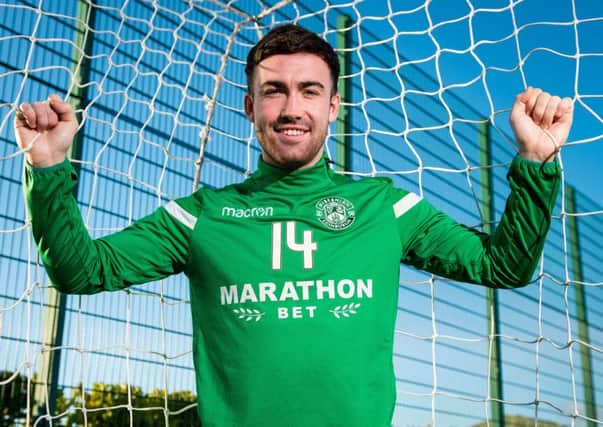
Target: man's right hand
(52,124)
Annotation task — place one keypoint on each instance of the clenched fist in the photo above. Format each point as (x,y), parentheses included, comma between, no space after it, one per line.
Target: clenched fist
(45,130)
(541,123)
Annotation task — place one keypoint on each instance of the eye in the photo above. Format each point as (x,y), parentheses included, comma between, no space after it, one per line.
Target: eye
(271,91)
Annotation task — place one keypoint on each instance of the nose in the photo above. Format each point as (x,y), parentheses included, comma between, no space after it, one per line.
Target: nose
(292,108)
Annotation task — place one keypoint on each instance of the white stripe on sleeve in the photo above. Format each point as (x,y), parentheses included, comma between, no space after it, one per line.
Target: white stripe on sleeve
(180,214)
(405,203)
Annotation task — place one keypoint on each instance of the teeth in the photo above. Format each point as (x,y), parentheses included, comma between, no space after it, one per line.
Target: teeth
(293,132)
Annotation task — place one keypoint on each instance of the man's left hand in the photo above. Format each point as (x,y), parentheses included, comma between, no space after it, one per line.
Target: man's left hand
(541,123)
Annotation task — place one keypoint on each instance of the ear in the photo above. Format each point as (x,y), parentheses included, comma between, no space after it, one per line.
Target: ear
(249,107)
(334,107)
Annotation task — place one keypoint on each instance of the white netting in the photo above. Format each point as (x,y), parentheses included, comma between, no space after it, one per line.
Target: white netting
(161,85)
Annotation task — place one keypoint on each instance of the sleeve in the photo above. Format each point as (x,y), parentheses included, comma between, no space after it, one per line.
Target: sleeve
(434,242)
(150,249)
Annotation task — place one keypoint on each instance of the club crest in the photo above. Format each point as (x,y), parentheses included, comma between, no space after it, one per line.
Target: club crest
(336,213)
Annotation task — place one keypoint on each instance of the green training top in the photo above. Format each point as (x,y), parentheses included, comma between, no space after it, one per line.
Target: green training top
(293,279)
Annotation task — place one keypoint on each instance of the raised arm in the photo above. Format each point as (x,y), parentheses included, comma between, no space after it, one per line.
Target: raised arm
(150,249)
(508,257)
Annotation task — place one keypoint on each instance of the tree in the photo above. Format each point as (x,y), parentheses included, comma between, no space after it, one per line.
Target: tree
(176,401)
(13,398)
(107,404)
(520,421)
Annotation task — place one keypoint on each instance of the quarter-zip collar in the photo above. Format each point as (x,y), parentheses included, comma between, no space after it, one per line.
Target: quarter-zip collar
(299,181)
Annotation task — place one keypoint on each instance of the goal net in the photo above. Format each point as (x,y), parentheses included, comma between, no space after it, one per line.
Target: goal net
(427,88)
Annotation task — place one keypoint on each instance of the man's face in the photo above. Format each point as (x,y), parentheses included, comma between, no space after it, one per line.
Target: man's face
(291,107)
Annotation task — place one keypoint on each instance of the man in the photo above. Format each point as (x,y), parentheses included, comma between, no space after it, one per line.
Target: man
(294,272)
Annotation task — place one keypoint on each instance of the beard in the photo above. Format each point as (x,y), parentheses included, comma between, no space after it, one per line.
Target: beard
(291,155)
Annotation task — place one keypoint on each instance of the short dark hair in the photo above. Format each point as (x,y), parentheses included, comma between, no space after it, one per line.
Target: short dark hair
(289,39)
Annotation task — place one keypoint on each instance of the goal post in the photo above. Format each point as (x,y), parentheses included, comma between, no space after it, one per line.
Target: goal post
(159,89)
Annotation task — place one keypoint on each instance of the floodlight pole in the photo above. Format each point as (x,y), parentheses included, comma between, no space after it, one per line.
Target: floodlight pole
(54,316)
(342,143)
(492,317)
(590,407)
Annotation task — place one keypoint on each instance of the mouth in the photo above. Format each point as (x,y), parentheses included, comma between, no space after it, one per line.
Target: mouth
(291,131)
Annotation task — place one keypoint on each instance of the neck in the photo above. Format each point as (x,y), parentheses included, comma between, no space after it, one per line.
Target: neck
(291,166)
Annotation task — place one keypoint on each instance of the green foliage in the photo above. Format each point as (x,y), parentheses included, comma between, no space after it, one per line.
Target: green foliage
(13,398)
(519,421)
(106,405)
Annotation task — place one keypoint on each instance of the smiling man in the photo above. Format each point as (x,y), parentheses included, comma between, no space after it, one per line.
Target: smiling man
(293,272)
(292,96)
(291,103)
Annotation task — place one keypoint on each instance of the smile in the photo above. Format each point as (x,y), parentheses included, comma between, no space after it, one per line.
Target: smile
(293,132)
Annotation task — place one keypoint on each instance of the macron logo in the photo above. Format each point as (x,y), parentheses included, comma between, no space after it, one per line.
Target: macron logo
(247,213)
